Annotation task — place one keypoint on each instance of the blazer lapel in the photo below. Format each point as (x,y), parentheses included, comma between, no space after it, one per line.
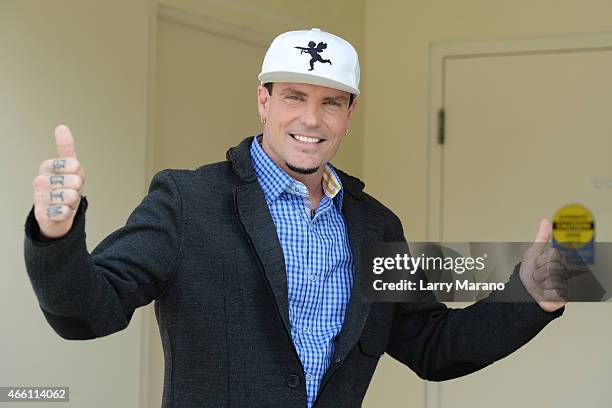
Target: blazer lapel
(257,223)
(259,227)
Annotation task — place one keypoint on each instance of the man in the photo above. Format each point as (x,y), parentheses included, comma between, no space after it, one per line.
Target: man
(253,262)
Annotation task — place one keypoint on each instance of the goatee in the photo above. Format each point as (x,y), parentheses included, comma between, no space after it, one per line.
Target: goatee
(302,170)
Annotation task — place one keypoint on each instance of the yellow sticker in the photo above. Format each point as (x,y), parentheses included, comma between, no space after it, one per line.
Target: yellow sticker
(573,226)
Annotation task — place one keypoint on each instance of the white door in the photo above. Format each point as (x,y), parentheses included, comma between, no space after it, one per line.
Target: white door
(527,130)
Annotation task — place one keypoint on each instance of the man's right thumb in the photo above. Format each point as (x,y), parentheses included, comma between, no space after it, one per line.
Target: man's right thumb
(64,142)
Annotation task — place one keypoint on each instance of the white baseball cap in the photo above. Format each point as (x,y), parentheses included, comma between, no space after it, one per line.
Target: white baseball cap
(312,57)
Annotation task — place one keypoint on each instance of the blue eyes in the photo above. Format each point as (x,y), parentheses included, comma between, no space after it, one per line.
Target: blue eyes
(298,98)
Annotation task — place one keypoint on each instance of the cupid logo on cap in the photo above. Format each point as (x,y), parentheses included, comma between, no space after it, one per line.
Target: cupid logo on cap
(314,53)
(283,63)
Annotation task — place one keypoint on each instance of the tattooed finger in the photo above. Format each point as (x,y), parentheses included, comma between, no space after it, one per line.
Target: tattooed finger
(68,197)
(60,166)
(63,181)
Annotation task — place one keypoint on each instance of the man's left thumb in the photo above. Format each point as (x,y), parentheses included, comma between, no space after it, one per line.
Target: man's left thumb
(544,232)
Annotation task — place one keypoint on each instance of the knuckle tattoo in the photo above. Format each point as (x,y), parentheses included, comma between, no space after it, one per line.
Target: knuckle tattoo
(56,180)
(56,195)
(54,211)
(59,164)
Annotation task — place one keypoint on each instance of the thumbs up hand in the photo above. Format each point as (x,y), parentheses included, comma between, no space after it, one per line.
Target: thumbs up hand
(57,188)
(544,272)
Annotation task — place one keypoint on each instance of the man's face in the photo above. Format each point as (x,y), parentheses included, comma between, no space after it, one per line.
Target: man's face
(304,124)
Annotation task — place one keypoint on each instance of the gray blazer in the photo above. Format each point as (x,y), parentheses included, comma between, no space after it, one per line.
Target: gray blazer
(203,246)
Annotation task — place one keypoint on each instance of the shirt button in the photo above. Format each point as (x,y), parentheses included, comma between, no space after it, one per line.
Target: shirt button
(308,377)
(306,330)
(313,277)
(293,380)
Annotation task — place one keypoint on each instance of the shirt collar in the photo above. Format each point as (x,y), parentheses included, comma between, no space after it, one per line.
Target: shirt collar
(274,180)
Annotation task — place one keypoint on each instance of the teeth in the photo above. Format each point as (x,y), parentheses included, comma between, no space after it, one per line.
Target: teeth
(306,139)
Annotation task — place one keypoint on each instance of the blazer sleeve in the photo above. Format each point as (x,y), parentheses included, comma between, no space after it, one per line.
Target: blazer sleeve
(441,343)
(83,295)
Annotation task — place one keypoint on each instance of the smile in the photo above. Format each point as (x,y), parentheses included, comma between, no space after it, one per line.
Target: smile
(306,139)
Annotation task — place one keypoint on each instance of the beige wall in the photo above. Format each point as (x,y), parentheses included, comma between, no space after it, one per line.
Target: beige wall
(396,84)
(82,63)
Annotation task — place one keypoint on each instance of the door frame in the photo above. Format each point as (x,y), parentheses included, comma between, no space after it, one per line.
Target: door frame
(439,53)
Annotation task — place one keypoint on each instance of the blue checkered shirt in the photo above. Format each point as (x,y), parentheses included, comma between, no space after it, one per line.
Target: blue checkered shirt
(318,260)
